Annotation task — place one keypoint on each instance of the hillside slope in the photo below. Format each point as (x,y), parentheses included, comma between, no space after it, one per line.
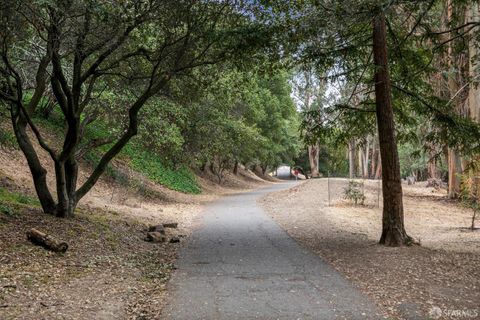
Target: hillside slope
(109,270)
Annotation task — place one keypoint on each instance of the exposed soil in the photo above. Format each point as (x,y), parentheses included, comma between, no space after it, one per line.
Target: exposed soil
(444,272)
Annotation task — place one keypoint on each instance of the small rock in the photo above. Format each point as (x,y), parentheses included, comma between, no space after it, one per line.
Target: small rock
(174,240)
(173,225)
(155,236)
(158,228)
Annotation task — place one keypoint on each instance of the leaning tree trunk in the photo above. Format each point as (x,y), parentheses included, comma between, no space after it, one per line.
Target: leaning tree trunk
(393,232)
(39,173)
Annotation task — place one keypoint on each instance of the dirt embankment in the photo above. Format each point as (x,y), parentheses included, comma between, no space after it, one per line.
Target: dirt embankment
(407,283)
(109,271)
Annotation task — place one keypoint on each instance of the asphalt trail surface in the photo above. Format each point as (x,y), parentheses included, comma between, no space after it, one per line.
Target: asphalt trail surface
(239,264)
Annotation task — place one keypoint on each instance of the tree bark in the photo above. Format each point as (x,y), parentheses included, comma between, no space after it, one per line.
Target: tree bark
(360,162)
(473,15)
(235,168)
(454,83)
(374,163)
(366,159)
(351,159)
(454,170)
(39,173)
(313,158)
(42,239)
(378,172)
(393,231)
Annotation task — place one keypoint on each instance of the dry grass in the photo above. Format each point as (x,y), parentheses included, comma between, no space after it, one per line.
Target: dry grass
(405,282)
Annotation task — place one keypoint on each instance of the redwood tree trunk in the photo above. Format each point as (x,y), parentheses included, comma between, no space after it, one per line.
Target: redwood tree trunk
(393,231)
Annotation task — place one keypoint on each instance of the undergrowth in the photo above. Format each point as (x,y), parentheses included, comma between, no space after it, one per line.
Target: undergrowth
(11,201)
(141,160)
(7,139)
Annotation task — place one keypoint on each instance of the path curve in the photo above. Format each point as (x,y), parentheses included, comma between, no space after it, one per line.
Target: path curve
(241,265)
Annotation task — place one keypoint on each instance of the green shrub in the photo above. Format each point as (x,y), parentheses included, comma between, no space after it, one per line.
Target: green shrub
(17,198)
(7,139)
(6,210)
(142,160)
(354,192)
(180,179)
(469,195)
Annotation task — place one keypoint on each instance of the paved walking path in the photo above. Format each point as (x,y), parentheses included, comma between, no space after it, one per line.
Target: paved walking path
(241,265)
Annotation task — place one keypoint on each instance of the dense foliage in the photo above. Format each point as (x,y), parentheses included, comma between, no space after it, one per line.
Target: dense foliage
(164,69)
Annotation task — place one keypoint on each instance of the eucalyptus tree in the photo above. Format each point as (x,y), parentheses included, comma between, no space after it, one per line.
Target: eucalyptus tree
(83,50)
(310,95)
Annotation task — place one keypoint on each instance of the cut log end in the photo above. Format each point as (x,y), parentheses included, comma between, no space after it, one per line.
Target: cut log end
(47,241)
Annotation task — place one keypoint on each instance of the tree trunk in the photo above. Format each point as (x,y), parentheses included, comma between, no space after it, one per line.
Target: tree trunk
(454,83)
(351,159)
(235,168)
(39,173)
(378,172)
(454,170)
(360,162)
(474,88)
(393,231)
(374,163)
(313,158)
(264,170)
(432,165)
(365,159)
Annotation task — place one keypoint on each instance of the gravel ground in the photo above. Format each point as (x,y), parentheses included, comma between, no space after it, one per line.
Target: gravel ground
(440,279)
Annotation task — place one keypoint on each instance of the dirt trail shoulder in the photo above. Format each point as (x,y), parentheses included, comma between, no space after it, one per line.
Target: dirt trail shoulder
(406,282)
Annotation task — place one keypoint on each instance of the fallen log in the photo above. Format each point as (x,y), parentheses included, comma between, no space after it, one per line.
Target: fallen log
(175,240)
(173,225)
(158,228)
(155,236)
(47,241)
